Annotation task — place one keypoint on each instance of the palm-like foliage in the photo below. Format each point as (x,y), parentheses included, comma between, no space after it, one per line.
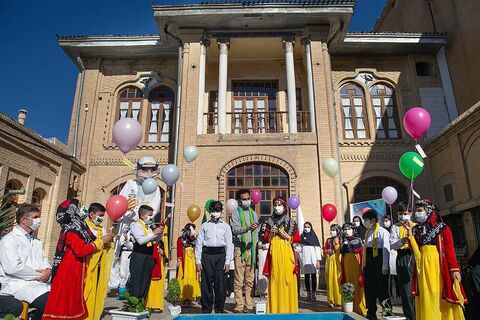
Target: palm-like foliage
(7,215)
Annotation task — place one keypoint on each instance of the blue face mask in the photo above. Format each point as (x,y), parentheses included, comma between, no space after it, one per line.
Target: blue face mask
(421,216)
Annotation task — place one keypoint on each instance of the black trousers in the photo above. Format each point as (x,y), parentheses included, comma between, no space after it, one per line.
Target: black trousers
(405,264)
(214,282)
(10,305)
(376,284)
(39,304)
(230,282)
(140,274)
(311,282)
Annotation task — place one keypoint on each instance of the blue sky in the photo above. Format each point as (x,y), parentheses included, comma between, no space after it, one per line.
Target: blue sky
(35,73)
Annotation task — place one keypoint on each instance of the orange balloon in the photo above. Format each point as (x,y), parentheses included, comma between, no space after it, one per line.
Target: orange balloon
(193,212)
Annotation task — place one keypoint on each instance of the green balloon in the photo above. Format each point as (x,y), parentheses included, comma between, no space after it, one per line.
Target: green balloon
(207,204)
(411,165)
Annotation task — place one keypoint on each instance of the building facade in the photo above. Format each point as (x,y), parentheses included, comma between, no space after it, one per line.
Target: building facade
(44,169)
(266,92)
(454,150)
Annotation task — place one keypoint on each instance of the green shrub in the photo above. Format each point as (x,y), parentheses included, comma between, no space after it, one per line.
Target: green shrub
(173,291)
(134,304)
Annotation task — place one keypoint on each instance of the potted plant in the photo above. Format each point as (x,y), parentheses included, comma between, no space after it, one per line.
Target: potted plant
(173,295)
(387,312)
(133,308)
(348,295)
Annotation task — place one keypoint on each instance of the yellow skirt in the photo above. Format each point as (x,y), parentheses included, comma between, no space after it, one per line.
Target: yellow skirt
(333,274)
(154,298)
(282,284)
(429,303)
(188,278)
(352,274)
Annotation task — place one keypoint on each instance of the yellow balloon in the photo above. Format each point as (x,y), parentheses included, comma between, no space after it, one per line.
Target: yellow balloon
(193,212)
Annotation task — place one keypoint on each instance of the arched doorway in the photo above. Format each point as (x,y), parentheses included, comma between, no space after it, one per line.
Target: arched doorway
(271,180)
(38,196)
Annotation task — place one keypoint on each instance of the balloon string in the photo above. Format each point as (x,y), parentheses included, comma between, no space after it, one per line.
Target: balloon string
(119,179)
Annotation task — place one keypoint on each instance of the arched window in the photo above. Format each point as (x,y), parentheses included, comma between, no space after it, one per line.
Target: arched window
(371,189)
(160,114)
(130,103)
(116,190)
(353,112)
(38,196)
(385,109)
(271,180)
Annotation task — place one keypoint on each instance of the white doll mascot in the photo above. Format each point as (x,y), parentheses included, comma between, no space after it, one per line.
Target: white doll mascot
(147,167)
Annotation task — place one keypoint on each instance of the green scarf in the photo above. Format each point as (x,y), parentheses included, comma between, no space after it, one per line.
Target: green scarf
(244,236)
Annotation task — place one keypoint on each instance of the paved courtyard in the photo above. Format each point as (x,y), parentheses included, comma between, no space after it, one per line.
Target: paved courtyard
(304,307)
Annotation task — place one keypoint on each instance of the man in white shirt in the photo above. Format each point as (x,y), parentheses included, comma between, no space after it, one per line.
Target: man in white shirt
(376,263)
(27,270)
(213,253)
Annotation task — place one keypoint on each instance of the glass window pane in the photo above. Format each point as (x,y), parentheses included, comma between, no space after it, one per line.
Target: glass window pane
(348,124)
(284,182)
(357,101)
(124,105)
(362,134)
(381,134)
(360,125)
(275,171)
(248,170)
(266,170)
(379,124)
(378,112)
(345,102)
(359,112)
(257,169)
(136,104)
(249,182)
(388,101)
(240,182)
(393,134)
(266,181)
(275,181)
(346,112)
(390,111)
(231,182)
(377,101)
(349,134)
(258,182)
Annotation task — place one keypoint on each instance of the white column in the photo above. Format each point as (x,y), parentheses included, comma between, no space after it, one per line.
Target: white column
(311,100)
(447,84)
(222,86)
(292,99)
(201,86)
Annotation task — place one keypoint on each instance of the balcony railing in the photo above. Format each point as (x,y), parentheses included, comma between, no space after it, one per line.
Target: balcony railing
(259,122)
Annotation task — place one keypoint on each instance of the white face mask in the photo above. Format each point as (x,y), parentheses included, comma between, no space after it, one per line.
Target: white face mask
(387,224)
(149,220)
(98,220)
(192,231)
(357,223)
(349,232)
(216,215)
(83,212)
(246,203)
(264,228)
(421,216)
(333,233)
(367,224)
(35,224)
(307,229)
(405,217)
(279,210)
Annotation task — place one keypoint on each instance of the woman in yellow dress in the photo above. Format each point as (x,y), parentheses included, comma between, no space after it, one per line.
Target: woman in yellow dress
(187,274)
(154,299)
(333,269)
(437,288)
(352,251)
(280,267)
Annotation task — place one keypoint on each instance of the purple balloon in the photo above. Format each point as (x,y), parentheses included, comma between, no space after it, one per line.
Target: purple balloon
(127,134)
(389,194)
(416,122)
(293,202)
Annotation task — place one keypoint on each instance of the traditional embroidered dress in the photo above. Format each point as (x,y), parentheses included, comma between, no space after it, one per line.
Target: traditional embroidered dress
(154,298)
(351,261)
(280,266)
(432,245)
(187,272)
(333,268)
(98,273)
(76,243)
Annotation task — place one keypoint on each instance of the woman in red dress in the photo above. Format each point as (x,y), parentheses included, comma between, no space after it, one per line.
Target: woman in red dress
(75,244)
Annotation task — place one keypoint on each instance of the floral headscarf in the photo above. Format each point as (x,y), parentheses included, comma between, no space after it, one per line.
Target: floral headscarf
(427,232)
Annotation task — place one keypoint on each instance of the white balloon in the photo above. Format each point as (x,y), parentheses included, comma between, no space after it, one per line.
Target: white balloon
(149,186)
(330,166)
(190,153)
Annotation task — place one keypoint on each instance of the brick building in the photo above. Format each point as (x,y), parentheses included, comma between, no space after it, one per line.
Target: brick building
(43,168)
(267,92)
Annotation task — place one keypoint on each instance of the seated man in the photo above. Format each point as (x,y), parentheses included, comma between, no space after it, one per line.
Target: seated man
(26,268)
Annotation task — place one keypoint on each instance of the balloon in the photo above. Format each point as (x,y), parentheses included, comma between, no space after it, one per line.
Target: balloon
(255,195)
(293,202)
(207,205)
(416,122)
(149,186)
(170,174)
(389,194)
(330,166)
(193,212)
(329,212)
(232,205)
(127,134)
(190,153)
(116,207)
(411,164)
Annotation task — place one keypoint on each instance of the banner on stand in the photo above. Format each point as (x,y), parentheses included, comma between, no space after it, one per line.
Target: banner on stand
(378,205)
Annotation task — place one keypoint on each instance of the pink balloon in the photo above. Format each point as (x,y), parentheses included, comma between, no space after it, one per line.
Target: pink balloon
(116,207)
(127,134)
(389,194)
(329,212)
(232,205)
(255,195)
(416,122)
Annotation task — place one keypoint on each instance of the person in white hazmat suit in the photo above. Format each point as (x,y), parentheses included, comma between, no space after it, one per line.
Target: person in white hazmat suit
(147,167)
